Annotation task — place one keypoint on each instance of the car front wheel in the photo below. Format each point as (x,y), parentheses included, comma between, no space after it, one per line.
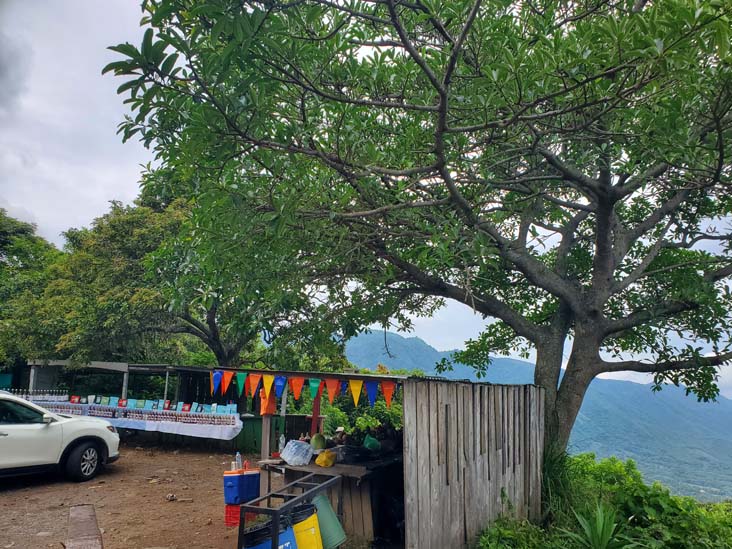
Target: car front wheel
(84,462)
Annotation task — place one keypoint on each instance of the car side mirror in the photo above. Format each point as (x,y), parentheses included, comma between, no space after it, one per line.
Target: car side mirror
(47,418)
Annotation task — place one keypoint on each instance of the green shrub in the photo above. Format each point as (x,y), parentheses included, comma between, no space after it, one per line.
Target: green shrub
(675,522)
(649,515)
(510,534)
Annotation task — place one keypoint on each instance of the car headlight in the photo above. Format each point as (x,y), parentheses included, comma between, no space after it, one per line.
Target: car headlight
(111,429)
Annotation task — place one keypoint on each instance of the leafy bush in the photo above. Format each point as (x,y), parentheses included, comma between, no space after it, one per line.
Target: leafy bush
(509,534)
(583,497)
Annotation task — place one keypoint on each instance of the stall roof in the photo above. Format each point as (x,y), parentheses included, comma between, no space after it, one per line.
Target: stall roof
(162,368)
(94,364)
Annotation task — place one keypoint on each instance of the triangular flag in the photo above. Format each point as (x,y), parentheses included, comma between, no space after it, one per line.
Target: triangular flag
(210,380)
(333,386)
(216,381)
(356,385)
(314,384)
(253,380)
(279,384)
(387,387)
(344,387)
(267,381)
(296,384)
(226,381)
(371,389)
(240,382)
(247,388)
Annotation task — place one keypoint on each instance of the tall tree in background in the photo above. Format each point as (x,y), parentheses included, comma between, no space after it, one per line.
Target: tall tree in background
(560,167)
(138,275)
(24,261)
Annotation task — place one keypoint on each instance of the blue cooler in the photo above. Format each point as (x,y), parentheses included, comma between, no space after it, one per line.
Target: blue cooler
(241,486)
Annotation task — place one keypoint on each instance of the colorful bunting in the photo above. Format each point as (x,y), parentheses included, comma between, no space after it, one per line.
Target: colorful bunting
(226,381)
(372,388)
(387,387)
(240,382)
(356,385)
(216,381)
(254,380)
(314,384)
(279,384)
(267,381)
(333,386)
(249,383)
(296,384)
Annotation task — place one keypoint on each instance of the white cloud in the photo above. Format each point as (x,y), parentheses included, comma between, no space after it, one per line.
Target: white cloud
(61,161)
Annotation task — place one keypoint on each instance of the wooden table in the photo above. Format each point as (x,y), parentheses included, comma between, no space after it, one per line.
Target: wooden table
(352,500)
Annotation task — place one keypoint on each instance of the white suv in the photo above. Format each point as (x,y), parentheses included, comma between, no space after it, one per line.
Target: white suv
(33,439)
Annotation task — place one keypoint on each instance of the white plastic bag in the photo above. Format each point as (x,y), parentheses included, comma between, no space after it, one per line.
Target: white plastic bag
(297,452)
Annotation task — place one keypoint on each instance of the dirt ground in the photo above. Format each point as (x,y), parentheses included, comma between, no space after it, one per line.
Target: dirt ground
(130,503)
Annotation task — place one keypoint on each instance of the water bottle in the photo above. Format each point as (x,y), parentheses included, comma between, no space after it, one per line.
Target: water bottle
(282,443)
(238,461)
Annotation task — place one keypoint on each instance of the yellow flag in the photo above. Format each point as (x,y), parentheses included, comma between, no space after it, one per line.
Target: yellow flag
(356,385)
(267,381)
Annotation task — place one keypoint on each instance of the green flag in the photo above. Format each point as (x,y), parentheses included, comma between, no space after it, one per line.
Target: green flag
(240,380)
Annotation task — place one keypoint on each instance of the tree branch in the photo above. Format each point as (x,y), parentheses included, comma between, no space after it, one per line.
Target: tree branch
(666,366)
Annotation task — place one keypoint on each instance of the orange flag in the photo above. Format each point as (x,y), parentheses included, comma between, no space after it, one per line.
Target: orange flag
(254,382)
(267,381)
(387,387)
(210,379)
(296,384)
(356,385)
(226,381)
(333,386)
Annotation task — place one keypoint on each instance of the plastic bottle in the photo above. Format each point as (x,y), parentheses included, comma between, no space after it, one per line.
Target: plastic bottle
(238,461)
(282,443)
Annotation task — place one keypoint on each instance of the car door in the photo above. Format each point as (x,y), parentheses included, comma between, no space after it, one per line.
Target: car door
(25,440)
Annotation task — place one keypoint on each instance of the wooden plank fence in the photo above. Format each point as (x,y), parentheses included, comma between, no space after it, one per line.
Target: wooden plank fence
(472,453)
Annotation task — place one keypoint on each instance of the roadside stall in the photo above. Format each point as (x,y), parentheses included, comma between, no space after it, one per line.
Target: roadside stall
(467,453)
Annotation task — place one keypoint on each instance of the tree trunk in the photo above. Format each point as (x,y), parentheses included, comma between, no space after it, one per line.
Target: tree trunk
(563,400)
(546,375)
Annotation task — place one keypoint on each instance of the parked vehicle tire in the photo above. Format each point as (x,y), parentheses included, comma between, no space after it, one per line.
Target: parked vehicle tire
(84,462)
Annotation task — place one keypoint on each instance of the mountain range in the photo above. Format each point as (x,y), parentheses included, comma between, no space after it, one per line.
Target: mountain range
(682,443)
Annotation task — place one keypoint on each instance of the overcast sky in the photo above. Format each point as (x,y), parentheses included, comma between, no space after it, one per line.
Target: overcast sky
(61,162)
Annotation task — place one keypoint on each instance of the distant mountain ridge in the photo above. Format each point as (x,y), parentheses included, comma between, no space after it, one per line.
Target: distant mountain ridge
(676,440)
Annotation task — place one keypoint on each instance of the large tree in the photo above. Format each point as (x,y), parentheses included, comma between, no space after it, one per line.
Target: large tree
(560,167)
(130,286)
(24,261)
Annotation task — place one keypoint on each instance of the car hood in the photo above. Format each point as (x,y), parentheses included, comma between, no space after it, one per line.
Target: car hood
(99,422)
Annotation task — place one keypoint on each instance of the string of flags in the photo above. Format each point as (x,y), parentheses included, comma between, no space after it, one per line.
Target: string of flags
(249,383)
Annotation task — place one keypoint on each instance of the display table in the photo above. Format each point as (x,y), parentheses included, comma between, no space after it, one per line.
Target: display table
(200,430)
(357,493)
(216,426)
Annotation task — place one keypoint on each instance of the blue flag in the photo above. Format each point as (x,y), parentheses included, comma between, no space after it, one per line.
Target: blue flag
(217,380)
(279,385)
(372,387)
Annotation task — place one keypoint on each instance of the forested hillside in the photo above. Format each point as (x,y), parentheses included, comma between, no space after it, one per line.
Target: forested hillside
(676,440)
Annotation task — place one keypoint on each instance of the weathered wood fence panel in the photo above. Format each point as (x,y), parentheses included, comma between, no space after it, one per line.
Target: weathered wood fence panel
(472,452)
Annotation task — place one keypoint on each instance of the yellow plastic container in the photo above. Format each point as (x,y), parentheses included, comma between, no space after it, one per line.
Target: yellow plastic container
(307,529)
